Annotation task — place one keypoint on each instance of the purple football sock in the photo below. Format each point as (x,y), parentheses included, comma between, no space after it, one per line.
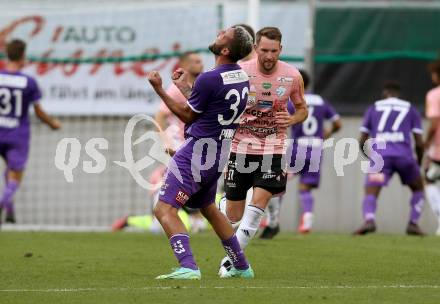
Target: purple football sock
(8,193)
(306,199)
(417,202)
(235,253)
(182,251)
(369,207)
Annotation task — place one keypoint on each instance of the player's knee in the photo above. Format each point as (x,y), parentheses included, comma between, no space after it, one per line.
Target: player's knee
(161,210)
(234,212)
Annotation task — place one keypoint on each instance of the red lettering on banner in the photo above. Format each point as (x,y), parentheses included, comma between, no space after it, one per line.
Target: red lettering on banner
(57,33)
(37,21)
(139,68)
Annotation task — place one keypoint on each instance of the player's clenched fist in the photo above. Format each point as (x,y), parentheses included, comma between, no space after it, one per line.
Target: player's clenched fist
(155,79)
(180,78)
(181,81)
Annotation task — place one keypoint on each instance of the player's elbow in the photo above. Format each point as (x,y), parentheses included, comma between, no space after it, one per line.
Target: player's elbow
(188,116)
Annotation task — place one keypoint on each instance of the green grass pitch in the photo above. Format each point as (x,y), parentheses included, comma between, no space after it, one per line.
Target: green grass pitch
(39,267)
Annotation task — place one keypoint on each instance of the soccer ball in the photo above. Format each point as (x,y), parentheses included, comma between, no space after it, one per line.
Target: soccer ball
(225,266)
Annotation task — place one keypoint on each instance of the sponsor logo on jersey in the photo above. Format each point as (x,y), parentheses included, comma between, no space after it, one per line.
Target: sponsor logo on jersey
(284,79)
(182,197)
(9,122)
(259,114)
(236,76)
(252,99)
(391,136)
(266,93)
(14,81)
(265,104)
(266,85)
(227,134)
(281,91)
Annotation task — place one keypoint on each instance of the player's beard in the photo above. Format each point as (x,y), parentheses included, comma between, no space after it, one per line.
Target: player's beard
(215,48)
(269,65)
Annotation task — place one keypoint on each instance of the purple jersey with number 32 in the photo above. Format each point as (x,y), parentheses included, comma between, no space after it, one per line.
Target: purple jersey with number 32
(220,97)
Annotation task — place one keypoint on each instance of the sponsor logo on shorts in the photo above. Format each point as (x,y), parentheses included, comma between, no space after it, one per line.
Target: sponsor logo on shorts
(182,197)
(231,184)
(284,79)
(281,91)
(266,85)
(269,175)
(376,177)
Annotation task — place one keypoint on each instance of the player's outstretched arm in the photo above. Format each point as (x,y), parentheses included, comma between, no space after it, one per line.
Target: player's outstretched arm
(182,111)
(53,123)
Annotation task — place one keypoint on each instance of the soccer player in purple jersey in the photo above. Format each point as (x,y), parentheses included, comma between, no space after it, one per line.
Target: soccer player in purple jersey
(18,92)
(392,121)
(211,114)
(308,140)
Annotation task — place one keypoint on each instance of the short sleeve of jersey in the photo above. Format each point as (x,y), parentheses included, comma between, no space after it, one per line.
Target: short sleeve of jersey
(416,121)
(34,91)
(201,93)
(330,112)
(432,105)
(366,123)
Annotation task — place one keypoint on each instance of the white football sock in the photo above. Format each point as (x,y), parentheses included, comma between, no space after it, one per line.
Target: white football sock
(307,220)
(273,212)
(249,225)
(433,196)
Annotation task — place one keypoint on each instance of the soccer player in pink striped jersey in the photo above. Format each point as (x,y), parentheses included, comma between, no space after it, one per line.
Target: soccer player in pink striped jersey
(259,142)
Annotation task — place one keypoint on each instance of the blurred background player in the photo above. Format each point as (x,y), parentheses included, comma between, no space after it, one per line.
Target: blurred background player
(173,126)
(392,121)
(261,135)
(308,137)
(217,99)
(18,92)
(432,142)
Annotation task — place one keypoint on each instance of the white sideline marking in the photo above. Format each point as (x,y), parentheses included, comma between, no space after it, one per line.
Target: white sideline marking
(55,290)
